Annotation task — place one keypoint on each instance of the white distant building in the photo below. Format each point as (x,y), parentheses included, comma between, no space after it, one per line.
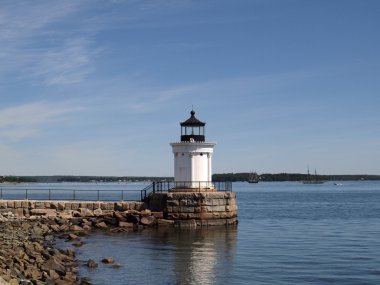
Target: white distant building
(193,158)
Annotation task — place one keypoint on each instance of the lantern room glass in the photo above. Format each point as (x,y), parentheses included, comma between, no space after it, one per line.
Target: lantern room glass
(192,130)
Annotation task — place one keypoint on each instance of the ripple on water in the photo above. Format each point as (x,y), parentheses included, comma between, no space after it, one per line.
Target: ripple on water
(285,236)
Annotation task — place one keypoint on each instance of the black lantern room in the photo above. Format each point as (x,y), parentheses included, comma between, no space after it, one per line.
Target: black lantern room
(192,129)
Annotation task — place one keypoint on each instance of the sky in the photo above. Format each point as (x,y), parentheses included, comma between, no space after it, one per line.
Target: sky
(100,87)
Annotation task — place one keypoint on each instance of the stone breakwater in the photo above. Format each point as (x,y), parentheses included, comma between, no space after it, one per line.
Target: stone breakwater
(28,230)
(27,256)
(27,208)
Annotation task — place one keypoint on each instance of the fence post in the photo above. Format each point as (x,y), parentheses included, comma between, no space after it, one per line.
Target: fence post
(122,195)
(143,196)
(26,194)
(1,197)
(49,195)
(154,187)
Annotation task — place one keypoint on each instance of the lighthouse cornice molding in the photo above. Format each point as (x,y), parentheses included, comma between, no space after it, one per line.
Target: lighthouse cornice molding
(193,147)
(184,143)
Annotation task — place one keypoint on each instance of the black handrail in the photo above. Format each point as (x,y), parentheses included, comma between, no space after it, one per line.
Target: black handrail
(110,194)
(165,186)
(69,194)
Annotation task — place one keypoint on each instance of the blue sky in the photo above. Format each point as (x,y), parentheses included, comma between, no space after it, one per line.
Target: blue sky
(99,87)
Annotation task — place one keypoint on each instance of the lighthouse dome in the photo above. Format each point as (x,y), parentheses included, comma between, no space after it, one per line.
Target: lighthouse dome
(193,129)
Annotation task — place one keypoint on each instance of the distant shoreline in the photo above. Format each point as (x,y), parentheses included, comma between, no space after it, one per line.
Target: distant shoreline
(234,177)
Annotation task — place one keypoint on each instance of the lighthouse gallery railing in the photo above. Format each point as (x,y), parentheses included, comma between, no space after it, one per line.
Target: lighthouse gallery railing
(163,186)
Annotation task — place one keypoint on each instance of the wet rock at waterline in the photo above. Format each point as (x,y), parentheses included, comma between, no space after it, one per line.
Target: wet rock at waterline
(27,252)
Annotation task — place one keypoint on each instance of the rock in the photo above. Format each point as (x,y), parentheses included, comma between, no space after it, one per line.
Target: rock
(163,222)
(108,260)
(77,243)
(49,281)
(146,212)
(49,238)
(70,277)
(132,212)
(33,273)
(75,213)
(55,228)
(98,212)
(44,228)
(125,225)
(158,215)
(116,265)
(66,215)
(87,227)
(91,263)
(84,212)
(118,230)
(70,253)
(101,225)
(64,228)
(76,228)
(64,282)
(14,282)
(3,282)
(53,275)
(110,220)
(134,219)
(54,264)
(72,237)
(38,212)
(148,220)
(85,281)
(119,216)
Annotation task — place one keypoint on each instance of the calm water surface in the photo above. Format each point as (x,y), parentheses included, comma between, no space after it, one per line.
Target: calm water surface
(288,233)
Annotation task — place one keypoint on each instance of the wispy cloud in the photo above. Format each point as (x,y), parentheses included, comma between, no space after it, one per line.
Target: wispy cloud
(27,120)
(44,42)
(52,42)
(66,64)
(20,20)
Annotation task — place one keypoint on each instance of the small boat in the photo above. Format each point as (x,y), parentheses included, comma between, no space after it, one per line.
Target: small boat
(312,179)
(253,178)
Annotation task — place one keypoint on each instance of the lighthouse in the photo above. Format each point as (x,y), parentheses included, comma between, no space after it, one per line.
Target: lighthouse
(193,158)
(193,200)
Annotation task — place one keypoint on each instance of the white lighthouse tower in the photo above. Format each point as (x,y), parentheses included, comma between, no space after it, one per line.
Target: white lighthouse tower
(192,158)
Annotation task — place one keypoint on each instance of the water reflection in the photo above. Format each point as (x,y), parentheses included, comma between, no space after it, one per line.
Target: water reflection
(163,256)
(201,256)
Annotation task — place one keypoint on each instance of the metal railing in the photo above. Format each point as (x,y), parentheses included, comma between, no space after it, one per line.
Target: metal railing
(70,194)
(56,194)
(196,186)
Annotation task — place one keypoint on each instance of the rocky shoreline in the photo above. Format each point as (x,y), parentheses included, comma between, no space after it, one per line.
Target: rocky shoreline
(28,254)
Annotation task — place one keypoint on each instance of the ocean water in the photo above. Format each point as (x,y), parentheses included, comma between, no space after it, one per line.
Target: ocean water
(288,233)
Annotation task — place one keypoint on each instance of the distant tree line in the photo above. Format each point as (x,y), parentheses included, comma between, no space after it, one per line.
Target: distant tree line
(234,177)
(16,179)
(71,178)
(111,178)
